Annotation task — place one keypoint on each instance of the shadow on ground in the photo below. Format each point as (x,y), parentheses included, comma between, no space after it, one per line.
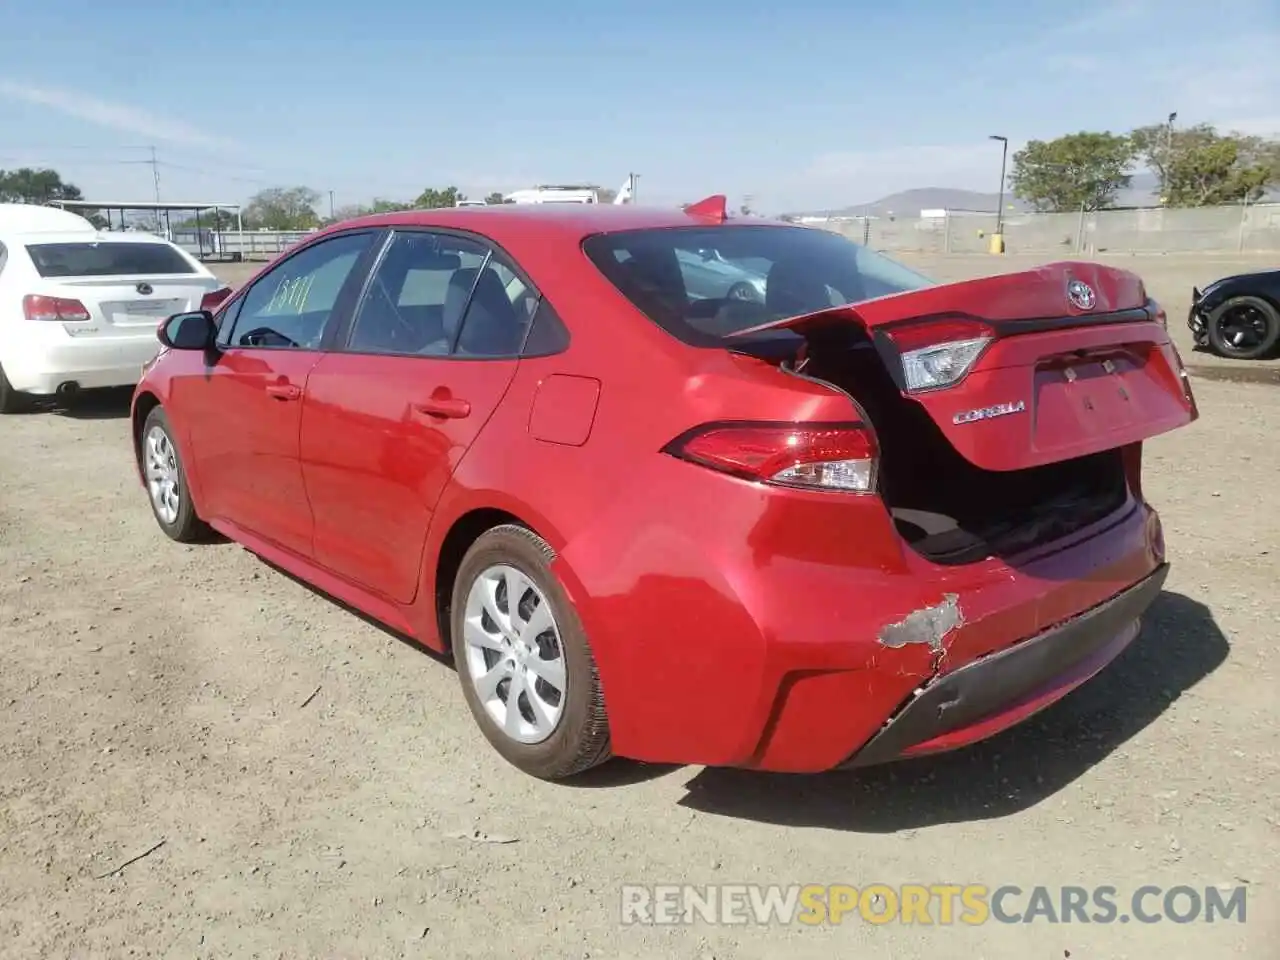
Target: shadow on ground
(441,658)
(96,405)
(1246,372)
(1180,645)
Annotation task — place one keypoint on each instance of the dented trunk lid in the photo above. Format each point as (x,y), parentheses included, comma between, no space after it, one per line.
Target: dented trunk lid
(1075,361)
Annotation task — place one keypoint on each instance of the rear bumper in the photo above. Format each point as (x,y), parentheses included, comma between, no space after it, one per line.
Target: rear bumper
(1005,688)
(38,368)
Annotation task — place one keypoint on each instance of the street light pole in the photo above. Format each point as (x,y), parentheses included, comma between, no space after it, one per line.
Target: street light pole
(1004,156)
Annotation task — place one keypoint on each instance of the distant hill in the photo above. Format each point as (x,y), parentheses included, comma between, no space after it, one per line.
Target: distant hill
(909,203)
(1142,192)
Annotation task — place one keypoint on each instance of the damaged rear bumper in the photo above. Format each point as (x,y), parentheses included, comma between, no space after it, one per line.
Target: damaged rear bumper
(1000,690)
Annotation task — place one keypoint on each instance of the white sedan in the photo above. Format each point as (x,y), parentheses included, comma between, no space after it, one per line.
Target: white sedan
(79,307)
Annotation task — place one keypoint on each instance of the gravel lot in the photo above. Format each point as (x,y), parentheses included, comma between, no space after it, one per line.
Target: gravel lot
(152,692)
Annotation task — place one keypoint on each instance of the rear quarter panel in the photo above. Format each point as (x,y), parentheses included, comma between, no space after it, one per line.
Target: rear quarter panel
(657,555)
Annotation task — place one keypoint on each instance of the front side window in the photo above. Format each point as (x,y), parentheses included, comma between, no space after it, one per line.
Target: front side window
(706,283)
(291,305)
(108,259)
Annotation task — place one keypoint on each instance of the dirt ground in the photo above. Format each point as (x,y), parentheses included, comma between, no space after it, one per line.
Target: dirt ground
(317,783)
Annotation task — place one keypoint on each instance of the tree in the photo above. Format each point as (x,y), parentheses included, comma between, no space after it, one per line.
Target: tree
(1078,170)
(431,198)
(30,185)
(283,208)
(1197,166)
(495,198)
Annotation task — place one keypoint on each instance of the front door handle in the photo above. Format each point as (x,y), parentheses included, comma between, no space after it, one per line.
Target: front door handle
(448,408)
(284,391)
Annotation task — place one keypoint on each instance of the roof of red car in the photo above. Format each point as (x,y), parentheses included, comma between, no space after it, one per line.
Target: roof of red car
(571,221)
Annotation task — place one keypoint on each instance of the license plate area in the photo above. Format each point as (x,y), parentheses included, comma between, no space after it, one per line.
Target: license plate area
(139,313)
(1097,394)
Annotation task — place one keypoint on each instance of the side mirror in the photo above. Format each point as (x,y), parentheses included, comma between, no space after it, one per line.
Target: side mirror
(188,331)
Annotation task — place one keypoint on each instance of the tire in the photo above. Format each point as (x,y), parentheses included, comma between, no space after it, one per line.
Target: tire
(11,401)
(1262,311)
(579,737)
(166,480)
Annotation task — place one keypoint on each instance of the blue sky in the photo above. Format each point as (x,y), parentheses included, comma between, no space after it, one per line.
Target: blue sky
(798,104)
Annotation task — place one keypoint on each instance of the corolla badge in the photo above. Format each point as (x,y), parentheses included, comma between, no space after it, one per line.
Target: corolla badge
(1081,295)
(987,413)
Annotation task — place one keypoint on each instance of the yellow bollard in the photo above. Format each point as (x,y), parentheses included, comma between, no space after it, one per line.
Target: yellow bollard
(997,243)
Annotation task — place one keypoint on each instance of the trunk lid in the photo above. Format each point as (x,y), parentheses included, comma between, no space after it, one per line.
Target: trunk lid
(128,306)
(1048,364)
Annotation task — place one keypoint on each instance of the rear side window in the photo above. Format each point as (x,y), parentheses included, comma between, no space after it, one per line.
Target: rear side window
(107,259)
(703,284)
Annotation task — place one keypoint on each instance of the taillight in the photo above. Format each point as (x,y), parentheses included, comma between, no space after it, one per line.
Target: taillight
(1161,317)
(212,300)
(37,307)
(815,456)
(938,353)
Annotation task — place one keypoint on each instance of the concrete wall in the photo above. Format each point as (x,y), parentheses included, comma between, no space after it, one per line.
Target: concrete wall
(1235,229)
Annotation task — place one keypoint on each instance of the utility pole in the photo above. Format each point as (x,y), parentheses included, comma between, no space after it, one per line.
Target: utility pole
(330,204)
(633,177)
(1168,154)
(155,174)
(1004,157)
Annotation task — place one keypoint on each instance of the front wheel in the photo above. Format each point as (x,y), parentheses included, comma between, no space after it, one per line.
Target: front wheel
(1244,328)
(526,668)
(167,481)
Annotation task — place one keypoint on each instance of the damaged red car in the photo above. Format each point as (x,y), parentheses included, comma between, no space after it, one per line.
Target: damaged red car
(680,487)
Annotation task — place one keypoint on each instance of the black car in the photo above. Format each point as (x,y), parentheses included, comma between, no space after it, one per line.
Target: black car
(1238,317)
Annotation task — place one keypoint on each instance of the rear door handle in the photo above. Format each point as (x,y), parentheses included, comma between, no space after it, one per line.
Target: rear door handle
(284,391)
(440,407)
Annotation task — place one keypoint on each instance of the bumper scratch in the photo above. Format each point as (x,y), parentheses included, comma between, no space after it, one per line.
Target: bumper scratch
(928,625)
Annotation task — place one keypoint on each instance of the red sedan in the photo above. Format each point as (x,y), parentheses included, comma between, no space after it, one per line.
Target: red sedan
(681,487)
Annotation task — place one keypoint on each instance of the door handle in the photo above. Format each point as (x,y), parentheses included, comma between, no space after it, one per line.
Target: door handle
(449,408)
(284,391)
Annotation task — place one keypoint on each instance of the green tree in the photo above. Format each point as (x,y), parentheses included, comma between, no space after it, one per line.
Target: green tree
(1078,170)
(495,198)
(283,208)
(431,198)
(1197,166)
(41,185)
(31,185)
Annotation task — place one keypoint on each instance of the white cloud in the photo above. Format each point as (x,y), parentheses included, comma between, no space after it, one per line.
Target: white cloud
(116,116)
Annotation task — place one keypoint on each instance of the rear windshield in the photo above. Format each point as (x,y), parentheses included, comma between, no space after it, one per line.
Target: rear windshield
(704,283)
(107,259)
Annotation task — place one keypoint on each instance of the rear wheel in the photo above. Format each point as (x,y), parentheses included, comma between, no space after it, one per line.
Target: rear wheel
(526,668)
(1244,328)
(167,481)
(11,401)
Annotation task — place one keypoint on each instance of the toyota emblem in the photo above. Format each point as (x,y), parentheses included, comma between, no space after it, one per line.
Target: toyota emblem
(143,288)
(1081,295)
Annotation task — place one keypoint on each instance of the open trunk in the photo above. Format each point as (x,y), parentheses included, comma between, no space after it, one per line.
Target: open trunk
(949,509)
(1006,409)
